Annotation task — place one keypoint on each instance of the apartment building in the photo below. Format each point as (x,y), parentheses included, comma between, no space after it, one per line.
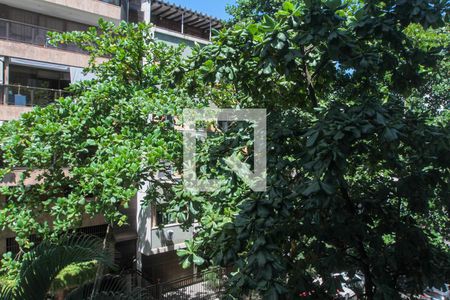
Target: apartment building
(34,73)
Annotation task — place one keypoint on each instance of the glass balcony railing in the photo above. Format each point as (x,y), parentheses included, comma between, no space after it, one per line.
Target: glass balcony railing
(115,2)
(30,34)
(20,95)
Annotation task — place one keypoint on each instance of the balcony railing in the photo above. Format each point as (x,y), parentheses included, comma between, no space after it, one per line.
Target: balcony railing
(20,95)
(115,2)
(207,285)
(30,34)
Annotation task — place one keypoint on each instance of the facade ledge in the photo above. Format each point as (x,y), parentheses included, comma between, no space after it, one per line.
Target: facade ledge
(82,11)
(44,54)
(167,249)
(181,35)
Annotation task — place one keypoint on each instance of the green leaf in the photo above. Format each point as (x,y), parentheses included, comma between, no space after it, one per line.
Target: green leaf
(288,6)
(198,260)
(252,28)
(261,259)
(390,134)
(333,4)
(312,139)
(313,187)
(186,263)
(329,189)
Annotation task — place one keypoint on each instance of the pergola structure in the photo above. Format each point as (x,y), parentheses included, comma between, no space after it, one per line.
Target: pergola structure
(183,20)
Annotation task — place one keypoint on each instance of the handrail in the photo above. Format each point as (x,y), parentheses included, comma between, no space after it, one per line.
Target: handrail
(33,88)
(32,96)
(30,25)
(118,2)
(195,283)
(191,279)
(38,35)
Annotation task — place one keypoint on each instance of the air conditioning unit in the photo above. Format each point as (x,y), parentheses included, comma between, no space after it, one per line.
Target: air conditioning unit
(170,234)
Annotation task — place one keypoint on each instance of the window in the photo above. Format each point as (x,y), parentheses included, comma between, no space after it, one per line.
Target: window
(99,230)
(162,218)
(13,247)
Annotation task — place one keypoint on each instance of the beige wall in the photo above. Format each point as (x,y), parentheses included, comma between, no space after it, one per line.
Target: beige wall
(82,11)
(11,112)
(96,7)
(12,179)
(50,55)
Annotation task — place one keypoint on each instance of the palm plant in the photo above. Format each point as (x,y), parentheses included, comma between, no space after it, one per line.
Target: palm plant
(41,265)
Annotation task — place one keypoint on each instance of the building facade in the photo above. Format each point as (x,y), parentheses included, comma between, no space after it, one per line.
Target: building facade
(34,73)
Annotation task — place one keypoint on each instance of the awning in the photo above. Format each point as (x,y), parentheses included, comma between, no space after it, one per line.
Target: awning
(38,64)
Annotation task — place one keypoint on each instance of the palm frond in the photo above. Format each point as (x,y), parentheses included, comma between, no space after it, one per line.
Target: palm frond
(6,293)
(41,265)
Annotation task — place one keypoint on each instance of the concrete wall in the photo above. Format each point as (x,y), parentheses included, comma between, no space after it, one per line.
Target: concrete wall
(161,242)
(83,11)
(11,112)
(175,41)
(105,10)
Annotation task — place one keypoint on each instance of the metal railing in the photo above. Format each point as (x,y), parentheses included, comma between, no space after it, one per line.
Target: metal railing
(20,95)
(30,34)
(205,286)
(114,2)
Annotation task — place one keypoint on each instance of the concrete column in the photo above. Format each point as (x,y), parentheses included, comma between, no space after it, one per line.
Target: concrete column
(182,23)
(146,8)
(5,81)
(2,63)
(210,30)
(143,223)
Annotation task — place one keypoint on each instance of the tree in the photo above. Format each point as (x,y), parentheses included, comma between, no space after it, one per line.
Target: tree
(357,171)
(253,9)
(433,94)
(93,150)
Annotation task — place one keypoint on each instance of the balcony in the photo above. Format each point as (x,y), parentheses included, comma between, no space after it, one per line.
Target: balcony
(30,34)
(19,95)
(81,11)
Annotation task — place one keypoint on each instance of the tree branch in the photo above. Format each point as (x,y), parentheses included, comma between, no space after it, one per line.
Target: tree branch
(310,86)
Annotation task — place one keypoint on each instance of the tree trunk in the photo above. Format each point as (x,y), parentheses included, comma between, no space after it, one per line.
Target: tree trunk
(101,268)
(309,80)
(368,284)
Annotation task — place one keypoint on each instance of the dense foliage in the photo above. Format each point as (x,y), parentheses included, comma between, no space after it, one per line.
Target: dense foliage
(358,142)
(89,153)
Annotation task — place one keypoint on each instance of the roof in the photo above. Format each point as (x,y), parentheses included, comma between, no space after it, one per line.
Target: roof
(190,17)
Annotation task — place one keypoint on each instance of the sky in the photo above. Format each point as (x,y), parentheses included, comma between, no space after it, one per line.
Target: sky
(215,8)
